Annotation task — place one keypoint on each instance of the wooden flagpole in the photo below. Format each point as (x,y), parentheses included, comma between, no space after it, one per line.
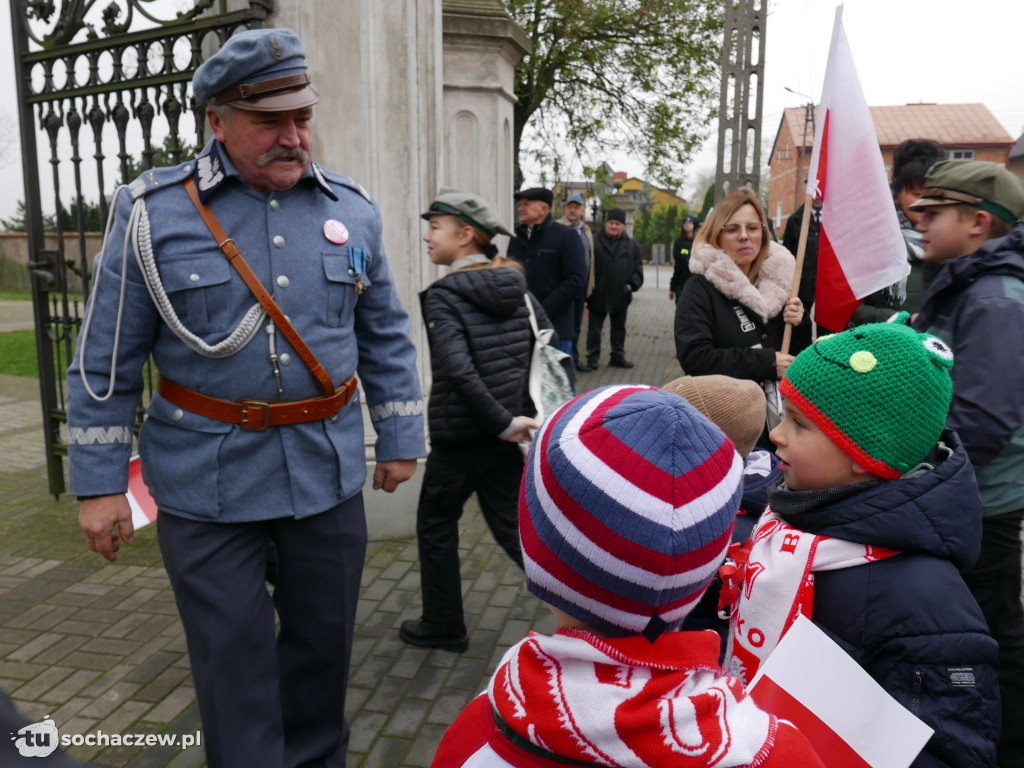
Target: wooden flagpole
(801,248)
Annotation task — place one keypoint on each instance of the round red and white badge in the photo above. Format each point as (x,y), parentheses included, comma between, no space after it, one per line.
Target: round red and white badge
(335,231)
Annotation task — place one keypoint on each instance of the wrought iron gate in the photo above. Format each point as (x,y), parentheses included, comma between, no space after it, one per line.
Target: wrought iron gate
(126,72)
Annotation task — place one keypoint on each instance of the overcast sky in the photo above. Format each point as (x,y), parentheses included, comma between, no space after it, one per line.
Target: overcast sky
(906,51)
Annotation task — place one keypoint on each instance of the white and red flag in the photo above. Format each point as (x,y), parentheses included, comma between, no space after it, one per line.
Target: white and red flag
(142,504)
(860,247)
(849,719)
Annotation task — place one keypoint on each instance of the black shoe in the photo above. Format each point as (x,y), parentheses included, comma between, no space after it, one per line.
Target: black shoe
(592,365)
(584,368)
(619,362)
(416,634)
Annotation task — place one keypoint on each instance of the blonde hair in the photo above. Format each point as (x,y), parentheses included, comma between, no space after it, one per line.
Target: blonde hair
(725,209)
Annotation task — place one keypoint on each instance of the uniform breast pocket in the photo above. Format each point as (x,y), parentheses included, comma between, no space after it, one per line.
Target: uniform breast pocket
(199,292)
(341,289)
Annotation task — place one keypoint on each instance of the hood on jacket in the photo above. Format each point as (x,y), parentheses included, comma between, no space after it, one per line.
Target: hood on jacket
(768,297)
(1001,256)
(497,291)
(935,512)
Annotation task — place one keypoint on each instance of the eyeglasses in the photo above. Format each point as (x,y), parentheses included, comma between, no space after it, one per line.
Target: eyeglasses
(734,229)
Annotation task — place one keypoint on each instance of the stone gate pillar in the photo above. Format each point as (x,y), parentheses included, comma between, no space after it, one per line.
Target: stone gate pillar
(482,45)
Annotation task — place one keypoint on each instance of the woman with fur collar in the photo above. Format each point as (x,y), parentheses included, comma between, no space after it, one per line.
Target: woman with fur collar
(732,312)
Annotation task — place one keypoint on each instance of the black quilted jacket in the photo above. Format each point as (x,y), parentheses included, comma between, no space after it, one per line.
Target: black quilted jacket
(480,344)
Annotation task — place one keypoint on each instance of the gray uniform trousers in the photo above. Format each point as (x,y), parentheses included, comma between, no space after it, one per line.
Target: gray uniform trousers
(267,701)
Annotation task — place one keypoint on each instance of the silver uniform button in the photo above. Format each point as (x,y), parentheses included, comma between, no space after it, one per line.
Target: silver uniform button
(194,277)
(187,169)
(275,205)
(283,281)
(178,414)
(285,358)
(279,241)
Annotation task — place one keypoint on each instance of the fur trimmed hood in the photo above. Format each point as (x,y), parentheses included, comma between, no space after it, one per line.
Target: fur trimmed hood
(768,297)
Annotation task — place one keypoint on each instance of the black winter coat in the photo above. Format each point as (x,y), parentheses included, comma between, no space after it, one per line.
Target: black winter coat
(617,263)
(720,316)
(681,260)
(556,270)
(480,344)
(909,620)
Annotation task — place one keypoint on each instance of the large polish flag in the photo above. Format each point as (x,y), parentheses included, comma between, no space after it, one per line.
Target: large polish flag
(860,248)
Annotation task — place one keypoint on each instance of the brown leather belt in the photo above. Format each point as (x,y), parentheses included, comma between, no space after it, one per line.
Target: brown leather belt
(257,415)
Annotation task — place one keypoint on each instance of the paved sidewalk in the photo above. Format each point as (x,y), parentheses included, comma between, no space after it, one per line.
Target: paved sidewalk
(99,647)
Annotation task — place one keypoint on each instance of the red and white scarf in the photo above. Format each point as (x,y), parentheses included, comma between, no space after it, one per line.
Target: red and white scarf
(628,702)
(775,584)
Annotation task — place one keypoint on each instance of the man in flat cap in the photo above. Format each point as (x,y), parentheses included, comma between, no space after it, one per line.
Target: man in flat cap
(258,283)
(554,259)
(975,301)
(618,274)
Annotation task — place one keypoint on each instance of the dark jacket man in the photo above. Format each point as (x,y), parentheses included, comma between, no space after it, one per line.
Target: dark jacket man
(618,272)
(554,259)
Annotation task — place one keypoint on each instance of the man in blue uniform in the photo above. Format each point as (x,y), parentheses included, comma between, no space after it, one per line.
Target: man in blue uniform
(255,433)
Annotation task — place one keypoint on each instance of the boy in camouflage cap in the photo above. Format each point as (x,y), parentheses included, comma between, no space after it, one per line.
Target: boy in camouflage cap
(976,304)
(865,534)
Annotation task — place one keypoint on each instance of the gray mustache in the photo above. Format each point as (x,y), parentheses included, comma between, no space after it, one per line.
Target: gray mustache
(283,153)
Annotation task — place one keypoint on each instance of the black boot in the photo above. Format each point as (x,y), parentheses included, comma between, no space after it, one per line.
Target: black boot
(619,362)
(417,633)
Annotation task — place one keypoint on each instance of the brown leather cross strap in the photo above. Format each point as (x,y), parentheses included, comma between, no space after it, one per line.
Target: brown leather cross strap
(234,256)
(257,415)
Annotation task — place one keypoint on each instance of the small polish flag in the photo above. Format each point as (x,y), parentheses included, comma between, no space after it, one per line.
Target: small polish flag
(847,717)
(143,505)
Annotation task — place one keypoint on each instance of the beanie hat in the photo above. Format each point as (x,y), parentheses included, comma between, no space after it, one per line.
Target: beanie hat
(881,392)
(617,214)
(626,509)
(737,406)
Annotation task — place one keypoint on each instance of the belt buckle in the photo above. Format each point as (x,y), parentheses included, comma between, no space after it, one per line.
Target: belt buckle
(264,407)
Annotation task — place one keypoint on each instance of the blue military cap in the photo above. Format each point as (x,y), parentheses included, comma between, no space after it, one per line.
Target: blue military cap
(263,70)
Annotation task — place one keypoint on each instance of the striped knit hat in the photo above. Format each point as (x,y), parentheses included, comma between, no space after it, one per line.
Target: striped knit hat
(627,508)
(881,392)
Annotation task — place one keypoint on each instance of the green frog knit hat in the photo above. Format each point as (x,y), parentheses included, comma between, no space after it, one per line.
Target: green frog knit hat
(881,392)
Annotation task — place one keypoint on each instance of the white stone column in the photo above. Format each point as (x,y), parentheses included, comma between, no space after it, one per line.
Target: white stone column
(482,45)
(377,68)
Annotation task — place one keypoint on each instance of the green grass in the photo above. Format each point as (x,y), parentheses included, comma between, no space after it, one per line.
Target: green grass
(15,295)
(18,354)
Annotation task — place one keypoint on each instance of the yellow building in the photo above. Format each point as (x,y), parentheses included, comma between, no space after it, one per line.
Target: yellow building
(637,189)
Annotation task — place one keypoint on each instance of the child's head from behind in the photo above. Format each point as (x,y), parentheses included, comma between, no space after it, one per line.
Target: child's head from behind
(736,406)
(863,404)
(626,509)
(966,203)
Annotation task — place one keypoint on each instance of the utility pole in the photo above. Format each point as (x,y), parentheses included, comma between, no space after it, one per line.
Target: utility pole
(739,111)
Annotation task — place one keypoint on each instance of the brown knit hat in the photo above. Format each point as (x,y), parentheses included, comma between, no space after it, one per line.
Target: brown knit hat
(737,406)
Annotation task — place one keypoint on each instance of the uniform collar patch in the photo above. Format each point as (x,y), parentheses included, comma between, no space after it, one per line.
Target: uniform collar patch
(318,175)
(211,170)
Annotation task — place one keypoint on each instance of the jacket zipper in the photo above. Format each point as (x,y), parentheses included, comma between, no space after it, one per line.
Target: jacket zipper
(915,700)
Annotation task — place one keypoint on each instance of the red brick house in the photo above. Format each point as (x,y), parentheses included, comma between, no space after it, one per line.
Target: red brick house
(966,131)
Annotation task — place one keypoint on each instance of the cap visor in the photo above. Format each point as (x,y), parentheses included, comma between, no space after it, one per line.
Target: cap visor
(930,202)
(281,101)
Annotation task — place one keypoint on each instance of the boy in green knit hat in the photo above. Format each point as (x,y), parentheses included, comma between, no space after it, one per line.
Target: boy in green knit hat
(876,512)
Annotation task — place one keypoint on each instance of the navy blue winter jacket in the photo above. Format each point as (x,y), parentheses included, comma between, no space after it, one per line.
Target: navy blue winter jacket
(556,270)
(976,305)
(909,620)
